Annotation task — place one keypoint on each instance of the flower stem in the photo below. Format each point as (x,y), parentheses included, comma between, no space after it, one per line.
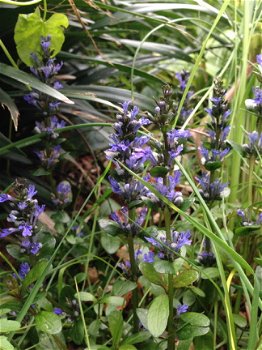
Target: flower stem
(131,250)
(2,45)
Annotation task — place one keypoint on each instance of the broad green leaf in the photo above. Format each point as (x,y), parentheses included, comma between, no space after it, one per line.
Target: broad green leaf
(113,300)
(210,273)
(110,243)
(185,278)
(115,320)
(7,326)
(48,322)
(85,296)
(123,287)
(31,81)
(150,273)
(142,314)
(31,27)
(34,273)
(137,338)
(77,332)
(163,266)
(7,101)
(195,319)
(127,347)
(240,321)
(5,344)
(158,315)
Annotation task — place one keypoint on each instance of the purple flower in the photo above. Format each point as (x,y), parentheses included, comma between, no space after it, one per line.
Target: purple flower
(7,231)
(255,104)
(63,195)
(259,59)
(122,219)
(169,190)
(45,43)
(5,197)
(49,126)
(181,309)
(206,258)
(26,229)
(49,158)
(180,239)
(57,311)
(166,248)
(215,190)
(254,147)
(23,270)
(35,247)
(149,257)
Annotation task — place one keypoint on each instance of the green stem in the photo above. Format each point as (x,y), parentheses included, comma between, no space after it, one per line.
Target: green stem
(131,250)
(20,3)
(250,180)
(45,10)
(2,45)
(170,324)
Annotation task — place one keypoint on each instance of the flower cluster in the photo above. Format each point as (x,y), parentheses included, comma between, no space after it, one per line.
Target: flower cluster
(214,152)
(122,219)
(186,110)
(218,130)
(130,149)
(255,104)
(246,219)
(212,190)
(254,146)
(166,249)
(63,196)
(22,219)
(168,190)
(45,69)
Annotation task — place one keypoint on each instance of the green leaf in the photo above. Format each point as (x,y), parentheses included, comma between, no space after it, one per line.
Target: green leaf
(246,230)
(4,344)
(41,172)
(123,287)
(142,314)
(158,171)
(209,273)
(110,243)
(77,332)
(34,273)
(85,296)
(127,347)
(185,278)
(195,319)
(151,274)
(48,322)
(240,321)
(31,27)
(116,323)
(137,338)
(113,300)
(158,315)
(6,100)
(31,81)
(163,266)
(7,326)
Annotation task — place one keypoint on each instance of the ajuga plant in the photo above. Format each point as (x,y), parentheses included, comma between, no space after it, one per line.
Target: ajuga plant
(213,151)
(19,232)
(250,218)
(45,68)
(153,159)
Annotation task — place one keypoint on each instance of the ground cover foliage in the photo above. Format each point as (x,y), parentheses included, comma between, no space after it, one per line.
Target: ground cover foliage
(130,152)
